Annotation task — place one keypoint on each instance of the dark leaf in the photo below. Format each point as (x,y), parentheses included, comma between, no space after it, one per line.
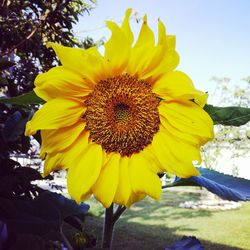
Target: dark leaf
(3,81)
(5,64)
(7,165)
(40,215)
(23,217)
(228,116)
(66,206)
(38,137)
(14,126)
(186,243)
(225,186)
(29,241)
(74,222)
(25,144)
(28,98)
(27,173)
(3,234)
(160,175)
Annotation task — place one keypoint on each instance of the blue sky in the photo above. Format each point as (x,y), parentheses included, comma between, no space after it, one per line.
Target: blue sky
(213,36)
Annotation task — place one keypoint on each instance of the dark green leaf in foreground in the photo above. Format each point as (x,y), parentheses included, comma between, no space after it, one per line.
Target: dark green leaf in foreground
(28,98)
(225,186)
(3,81)
(5,64)
(40,215)
(65,206)
(14,126)
(186,243)
(228,116)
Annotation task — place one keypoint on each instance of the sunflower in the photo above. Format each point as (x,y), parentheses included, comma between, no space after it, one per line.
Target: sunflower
(116,120)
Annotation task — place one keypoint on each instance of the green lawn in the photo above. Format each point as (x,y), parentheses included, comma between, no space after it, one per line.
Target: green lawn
(155,225)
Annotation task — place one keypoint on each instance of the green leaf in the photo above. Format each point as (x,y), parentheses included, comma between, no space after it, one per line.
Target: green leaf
(228,116)
(14,126)
(5,64)
(28,98)
(3,81)
(186,243)
(40,215)
(225,186)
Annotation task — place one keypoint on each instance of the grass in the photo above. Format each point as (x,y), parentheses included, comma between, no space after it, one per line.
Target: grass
(150,225)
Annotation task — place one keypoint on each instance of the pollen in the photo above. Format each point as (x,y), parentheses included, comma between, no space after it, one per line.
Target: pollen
(122,114)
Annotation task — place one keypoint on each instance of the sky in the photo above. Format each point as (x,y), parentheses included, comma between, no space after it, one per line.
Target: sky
(213,36)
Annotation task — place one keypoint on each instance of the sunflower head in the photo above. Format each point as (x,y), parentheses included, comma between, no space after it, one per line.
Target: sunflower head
(122,114)
(116,120)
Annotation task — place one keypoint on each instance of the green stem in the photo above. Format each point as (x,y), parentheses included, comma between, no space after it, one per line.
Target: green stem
(109,222)
(66,242)
(108,228)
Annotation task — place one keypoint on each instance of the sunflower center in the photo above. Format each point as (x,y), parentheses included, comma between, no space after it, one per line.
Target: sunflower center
(122,114)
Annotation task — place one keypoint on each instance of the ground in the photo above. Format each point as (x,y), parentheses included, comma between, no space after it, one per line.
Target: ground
(150,225)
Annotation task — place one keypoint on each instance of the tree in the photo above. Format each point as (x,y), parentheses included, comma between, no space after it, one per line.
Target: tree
(228,138)
(26,27)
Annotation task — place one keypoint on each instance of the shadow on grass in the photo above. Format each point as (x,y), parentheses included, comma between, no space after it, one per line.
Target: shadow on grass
(150,225)
(131,235)
(151,209)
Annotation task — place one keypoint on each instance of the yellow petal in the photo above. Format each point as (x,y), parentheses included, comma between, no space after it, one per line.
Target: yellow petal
(140,60)
(163,39)
(72,58)
(101,69)
(153,161)
(188,118)
(175,155)
(190,138)
(149,62)
(169,61)
(81,61)
(171,42)
(60,81)
(143,180)
(134,197)
(159,149)
(177,84)
(142,52)
(62,160)
(52,162)
(84,171)
(56,113)
(166,58)
(60,139)
(126,27)
(161,33)
(146,35)
(116,57)
(124,187)
(105,187)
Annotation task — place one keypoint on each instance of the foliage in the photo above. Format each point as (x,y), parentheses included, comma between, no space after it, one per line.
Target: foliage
(223,115)
(15,181)
(25,99)
(12,120)
(37,217)
(229,136)
(225,186)
(156,225)
(186,243)
(26,27)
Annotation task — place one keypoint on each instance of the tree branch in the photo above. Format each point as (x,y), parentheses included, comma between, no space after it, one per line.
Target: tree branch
(41,19)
